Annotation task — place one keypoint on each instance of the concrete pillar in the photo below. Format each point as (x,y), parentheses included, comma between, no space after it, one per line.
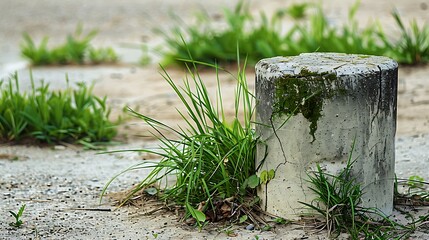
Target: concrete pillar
(332,99)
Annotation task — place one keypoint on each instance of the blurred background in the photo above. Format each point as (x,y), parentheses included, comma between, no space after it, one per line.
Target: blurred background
(125,25)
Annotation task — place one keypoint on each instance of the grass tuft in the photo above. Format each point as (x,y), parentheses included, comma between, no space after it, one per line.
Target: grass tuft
(53,116)
(206,44)
(338,199)
(413,45)
(260,37)
(338,203)
(18,221)
(76,50)
(211,157)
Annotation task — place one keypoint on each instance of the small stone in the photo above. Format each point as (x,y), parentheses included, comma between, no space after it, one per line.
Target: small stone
(59,147)
(250,227)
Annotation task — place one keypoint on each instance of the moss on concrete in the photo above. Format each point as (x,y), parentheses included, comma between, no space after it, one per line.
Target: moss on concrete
(305,93)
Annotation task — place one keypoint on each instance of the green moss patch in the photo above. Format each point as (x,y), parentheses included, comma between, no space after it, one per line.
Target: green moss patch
(305,93)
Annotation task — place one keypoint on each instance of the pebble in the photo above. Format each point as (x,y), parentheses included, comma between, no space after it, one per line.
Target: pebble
(250,227)
(59,147)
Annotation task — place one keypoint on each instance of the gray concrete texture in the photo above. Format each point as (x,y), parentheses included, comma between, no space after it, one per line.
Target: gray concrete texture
(318,108)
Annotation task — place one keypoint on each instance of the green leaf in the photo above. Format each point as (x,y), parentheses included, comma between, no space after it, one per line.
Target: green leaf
(271,174)
(266,176)
(21,210)
(243,219)
(266,228)
(415,181)
(200,216)
(253,181)
(196,214)
(280,220)
(254,201)
(14,214)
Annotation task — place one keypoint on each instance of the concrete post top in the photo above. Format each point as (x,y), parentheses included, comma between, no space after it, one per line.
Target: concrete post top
(322,63)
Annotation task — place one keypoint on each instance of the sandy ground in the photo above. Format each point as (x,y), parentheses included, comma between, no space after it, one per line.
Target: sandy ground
(57,183)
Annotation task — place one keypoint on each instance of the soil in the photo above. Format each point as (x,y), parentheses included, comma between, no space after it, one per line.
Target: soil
(61,185)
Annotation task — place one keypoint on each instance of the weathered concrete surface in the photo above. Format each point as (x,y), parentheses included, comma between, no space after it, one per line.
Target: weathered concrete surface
(333,100)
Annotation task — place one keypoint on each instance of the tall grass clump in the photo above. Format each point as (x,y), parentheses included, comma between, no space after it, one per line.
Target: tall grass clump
(76,50)
(211,157)
(338,203)
(72,115)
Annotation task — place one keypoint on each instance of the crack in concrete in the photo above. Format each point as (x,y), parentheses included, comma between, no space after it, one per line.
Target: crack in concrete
(281,145)
(380,97)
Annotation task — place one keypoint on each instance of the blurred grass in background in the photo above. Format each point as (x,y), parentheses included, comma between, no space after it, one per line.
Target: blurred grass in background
(262,37)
